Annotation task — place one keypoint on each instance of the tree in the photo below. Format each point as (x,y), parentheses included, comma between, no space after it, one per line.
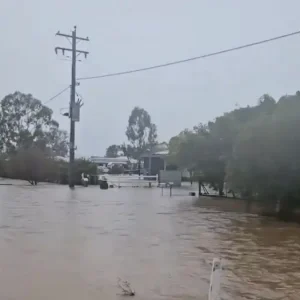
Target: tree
(113,151)
(199,151)
(140,132)
(265,164)
(25,122)
(129,151)
(55,141)
(208,148)
(152,137)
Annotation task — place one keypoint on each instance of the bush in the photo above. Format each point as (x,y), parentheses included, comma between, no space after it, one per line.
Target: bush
(80,166)
(29,164)
(34,166)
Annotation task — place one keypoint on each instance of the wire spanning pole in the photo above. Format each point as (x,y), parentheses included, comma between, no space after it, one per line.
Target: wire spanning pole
(186,60)
(72,116)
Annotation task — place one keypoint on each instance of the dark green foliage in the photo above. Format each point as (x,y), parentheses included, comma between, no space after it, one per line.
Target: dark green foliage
(141,133)
(83,166)
(30,141)
(254,149)
(116,169)
(113,151)
(25,123)
(30,164)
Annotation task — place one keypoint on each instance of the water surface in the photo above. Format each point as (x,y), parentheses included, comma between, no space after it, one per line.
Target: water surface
(61,244)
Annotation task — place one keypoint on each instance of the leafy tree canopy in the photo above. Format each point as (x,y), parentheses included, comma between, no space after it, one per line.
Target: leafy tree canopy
(25,122)
(254,149)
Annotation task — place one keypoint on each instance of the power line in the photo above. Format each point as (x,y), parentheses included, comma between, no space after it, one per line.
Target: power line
(55,96)
(192,58)
(50,99)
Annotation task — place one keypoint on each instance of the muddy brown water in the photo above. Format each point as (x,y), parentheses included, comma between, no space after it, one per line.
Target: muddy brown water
(56,243)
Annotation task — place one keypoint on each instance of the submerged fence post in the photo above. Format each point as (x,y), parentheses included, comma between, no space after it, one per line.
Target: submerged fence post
(199,188)
(215,280)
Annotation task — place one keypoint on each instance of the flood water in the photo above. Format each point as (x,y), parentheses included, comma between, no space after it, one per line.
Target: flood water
(61,244)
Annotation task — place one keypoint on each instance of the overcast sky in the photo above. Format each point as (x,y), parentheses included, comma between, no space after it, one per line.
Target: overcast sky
(137,33)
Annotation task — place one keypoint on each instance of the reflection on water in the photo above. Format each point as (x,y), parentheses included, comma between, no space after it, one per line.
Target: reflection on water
(62,244)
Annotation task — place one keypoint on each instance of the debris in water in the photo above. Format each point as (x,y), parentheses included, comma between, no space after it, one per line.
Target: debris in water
(125,287)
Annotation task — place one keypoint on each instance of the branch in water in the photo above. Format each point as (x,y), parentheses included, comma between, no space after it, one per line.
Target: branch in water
(125,287)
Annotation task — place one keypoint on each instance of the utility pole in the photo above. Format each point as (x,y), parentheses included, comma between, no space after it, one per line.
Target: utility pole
(74,107)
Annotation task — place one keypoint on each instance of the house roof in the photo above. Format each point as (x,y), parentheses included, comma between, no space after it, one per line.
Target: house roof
(106,160)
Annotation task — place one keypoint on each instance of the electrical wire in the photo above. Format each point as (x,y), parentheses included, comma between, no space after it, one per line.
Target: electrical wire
(58,94)
(191,58)
(50,99)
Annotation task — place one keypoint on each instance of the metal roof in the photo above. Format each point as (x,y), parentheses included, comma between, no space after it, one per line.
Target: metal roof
(105,160)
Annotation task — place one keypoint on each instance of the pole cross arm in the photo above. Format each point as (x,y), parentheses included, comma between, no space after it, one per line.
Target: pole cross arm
(70,36)
(70,50)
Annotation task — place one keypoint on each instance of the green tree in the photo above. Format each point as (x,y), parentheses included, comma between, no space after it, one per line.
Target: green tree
(113,151)
(152,136)
(200,152)
(208,149)
(25,122)
(141,132)
(129,151)
(266,163)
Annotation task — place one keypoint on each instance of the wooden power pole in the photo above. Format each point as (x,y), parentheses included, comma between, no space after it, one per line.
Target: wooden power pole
(74,107)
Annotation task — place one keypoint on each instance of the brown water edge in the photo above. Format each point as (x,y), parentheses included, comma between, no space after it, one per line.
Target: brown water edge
(56,243)
(253,207)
